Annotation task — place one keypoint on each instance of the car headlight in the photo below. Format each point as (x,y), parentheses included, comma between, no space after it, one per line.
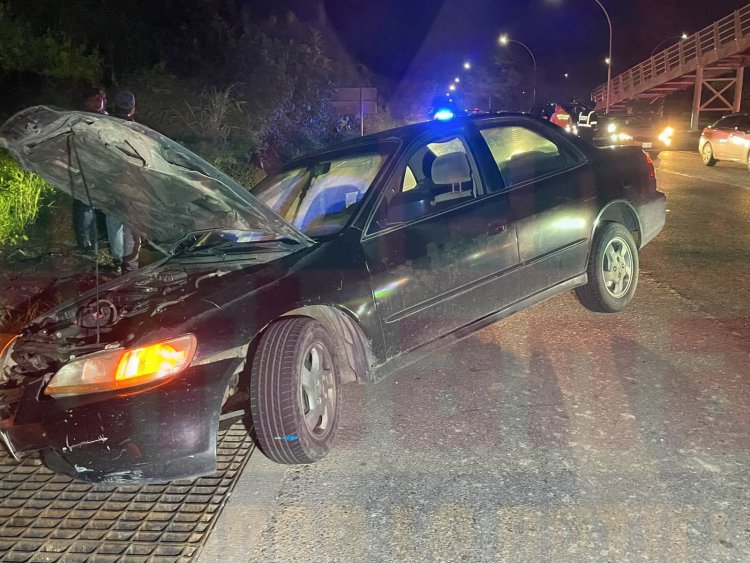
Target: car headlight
(113,370)
(666,136)
(611,128)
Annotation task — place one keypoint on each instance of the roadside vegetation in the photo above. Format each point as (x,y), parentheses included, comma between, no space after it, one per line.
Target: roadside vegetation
(22,195)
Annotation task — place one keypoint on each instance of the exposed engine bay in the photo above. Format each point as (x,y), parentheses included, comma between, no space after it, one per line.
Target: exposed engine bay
(100,321)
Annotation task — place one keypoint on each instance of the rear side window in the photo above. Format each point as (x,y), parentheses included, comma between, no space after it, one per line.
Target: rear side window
(522,154)
(727,123)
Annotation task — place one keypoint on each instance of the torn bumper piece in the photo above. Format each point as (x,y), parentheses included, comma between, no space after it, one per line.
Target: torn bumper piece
(153,435)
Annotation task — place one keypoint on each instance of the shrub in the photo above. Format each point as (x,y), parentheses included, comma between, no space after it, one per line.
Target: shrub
(22,194)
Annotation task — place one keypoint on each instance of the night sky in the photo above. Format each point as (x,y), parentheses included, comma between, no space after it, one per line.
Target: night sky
(395,37)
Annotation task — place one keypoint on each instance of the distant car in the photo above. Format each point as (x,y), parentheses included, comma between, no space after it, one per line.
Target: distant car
(646,130)
(727,139)
(347,265)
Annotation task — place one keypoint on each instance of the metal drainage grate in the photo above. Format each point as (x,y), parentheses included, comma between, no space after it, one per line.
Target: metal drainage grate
(48,517)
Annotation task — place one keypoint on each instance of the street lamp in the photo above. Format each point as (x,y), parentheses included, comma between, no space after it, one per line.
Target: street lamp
(467,65)
(609,55)
(505,40)
(682,36)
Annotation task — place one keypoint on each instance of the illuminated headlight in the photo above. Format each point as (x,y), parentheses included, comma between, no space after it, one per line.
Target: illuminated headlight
(113,370)
(624,137)
(574,130)
(611,128)
(666,136)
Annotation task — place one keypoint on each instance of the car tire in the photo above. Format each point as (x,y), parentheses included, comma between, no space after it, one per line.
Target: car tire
(294,391)
(748,162)
(612,270)
(707,154)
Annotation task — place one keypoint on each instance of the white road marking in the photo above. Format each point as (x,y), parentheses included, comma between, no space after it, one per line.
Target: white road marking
(745,186)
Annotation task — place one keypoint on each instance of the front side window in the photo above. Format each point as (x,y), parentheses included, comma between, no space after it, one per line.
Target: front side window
(320,198)
(435,177)
(522,154)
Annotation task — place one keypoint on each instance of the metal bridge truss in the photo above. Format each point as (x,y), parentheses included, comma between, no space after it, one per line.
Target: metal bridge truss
(712,60)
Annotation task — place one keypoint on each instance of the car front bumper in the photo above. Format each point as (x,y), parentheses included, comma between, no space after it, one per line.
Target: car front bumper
(158,434)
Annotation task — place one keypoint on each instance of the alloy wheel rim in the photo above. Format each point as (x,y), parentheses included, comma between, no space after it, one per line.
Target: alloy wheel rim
(707,154)
(617,267)
(317,389)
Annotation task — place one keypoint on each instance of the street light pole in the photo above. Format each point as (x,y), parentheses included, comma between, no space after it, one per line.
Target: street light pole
(609,57)
(504,40)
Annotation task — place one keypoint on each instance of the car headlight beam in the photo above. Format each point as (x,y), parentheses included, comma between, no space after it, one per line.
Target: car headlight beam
(666,136)
(113,370)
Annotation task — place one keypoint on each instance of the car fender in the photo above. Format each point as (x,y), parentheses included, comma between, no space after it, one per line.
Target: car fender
(354,352)
(619,211)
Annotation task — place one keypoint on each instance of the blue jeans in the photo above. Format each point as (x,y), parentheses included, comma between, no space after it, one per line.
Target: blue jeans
(83,224)
(124,244)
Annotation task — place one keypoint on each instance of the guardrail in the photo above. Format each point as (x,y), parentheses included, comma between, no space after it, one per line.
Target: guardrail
(724,38)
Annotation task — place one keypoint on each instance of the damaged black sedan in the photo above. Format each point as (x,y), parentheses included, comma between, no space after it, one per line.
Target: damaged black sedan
(347,265)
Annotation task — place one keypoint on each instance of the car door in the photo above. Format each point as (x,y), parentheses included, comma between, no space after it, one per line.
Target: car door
(738,142)
(440,246)
(723,130)
(552,197)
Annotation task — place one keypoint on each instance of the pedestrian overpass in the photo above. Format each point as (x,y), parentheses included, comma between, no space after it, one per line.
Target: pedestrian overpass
(712,60)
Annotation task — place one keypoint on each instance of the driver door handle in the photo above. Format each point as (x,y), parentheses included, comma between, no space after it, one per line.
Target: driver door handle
(496,228)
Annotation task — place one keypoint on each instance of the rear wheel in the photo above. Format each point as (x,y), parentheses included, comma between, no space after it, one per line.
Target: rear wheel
(612,270)
(708,155)
(294,391)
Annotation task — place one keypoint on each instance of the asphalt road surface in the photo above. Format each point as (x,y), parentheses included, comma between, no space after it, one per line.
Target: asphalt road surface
(554,435)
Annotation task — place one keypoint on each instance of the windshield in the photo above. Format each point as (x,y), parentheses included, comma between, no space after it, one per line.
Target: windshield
(320,198)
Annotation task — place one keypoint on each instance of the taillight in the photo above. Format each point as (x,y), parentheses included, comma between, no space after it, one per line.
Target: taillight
(651,170)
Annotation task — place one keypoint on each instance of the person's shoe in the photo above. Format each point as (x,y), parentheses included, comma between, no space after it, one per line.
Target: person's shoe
(110,270)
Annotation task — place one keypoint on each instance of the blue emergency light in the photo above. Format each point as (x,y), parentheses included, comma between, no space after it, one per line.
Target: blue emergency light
(443,114)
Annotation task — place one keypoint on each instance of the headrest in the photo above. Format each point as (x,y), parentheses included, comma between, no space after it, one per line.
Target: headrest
(451,168)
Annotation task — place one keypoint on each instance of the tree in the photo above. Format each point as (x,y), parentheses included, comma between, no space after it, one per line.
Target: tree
(493,87)
(51,54)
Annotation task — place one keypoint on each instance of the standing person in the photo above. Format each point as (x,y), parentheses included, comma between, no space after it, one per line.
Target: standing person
(124,243)
(95,101)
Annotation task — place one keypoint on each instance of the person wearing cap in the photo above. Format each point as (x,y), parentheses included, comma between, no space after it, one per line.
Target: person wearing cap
(124,243)
(95,101)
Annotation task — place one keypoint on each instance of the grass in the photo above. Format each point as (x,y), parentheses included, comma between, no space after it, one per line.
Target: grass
(22,194)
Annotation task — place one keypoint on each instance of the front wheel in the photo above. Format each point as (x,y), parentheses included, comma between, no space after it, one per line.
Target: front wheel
(294,391)
(612,270)
(708,155)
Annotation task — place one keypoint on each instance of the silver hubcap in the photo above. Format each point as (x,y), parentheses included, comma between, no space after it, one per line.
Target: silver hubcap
(317,389)
(617,267)
(707,153)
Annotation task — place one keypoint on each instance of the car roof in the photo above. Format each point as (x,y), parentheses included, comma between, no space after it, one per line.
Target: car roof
(405,134)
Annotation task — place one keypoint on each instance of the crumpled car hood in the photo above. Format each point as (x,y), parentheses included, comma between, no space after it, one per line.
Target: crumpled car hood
(149,182)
